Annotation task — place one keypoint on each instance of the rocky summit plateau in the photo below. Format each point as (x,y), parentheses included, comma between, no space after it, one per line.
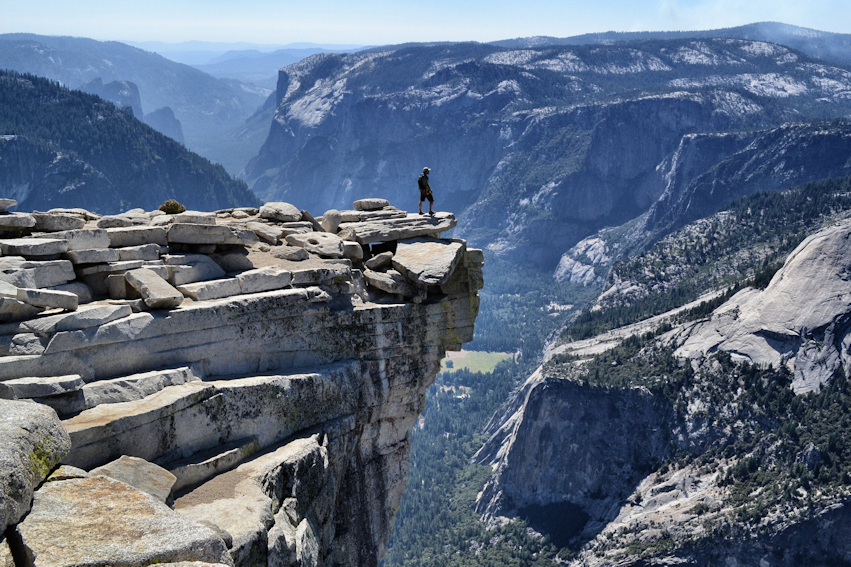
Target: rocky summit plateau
(233,388)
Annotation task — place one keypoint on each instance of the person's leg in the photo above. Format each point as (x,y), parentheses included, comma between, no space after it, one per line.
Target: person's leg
(430,204)
(421,206)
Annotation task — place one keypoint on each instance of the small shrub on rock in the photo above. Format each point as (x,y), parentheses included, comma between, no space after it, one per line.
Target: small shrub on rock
(172,207)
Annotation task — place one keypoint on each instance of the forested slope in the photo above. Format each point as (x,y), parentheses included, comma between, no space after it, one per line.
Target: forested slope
(64,148)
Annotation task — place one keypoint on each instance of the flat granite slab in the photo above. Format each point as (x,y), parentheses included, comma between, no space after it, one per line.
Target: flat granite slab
(99,521)
(33,246)
(411,226)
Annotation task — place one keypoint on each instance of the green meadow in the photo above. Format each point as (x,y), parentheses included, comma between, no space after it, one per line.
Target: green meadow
(473,360)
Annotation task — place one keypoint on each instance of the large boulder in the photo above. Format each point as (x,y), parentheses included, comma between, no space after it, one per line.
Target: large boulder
(280,212)
(372,204)
(320,243)
(32,440)
(427,261)
(101,521)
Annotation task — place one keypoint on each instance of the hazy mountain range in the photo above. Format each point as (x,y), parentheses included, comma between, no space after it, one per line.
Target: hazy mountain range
(66,148)
(206,107)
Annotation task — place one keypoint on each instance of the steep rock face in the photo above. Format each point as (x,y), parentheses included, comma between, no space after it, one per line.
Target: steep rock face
(163,120)
(574,433)
(121,93)
(707,171)
(571,444)
(539,147)
(280,395)
(735,166)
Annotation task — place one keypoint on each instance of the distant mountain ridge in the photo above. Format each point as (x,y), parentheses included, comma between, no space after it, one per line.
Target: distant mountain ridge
(65,148)
(829,46)
(206,107)
(254,66)
(539,147)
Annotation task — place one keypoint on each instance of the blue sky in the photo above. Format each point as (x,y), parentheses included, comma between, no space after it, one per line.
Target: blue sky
(395,21)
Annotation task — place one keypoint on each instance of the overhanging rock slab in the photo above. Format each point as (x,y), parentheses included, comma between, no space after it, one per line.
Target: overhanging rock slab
(427,261)
(34,387)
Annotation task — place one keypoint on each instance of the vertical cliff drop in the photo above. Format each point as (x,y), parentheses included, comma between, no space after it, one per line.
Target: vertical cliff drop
(265,390)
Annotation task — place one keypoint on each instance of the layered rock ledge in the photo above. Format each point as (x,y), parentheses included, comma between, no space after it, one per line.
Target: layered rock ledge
(233,388)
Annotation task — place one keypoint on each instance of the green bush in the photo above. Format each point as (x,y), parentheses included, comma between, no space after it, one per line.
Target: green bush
(172,207)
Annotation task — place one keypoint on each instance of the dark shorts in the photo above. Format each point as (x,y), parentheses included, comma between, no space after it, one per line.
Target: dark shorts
(426,195)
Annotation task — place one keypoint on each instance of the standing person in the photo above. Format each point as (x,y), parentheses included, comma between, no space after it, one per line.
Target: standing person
(425,192)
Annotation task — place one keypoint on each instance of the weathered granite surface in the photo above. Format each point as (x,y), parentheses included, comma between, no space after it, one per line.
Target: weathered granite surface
(799,320)
(275,384)
(32,440)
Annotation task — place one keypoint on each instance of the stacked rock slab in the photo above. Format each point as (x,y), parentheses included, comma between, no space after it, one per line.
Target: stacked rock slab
(234,388)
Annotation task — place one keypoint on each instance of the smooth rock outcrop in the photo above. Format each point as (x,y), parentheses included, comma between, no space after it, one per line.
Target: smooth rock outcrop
(32,440)
(797,321)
